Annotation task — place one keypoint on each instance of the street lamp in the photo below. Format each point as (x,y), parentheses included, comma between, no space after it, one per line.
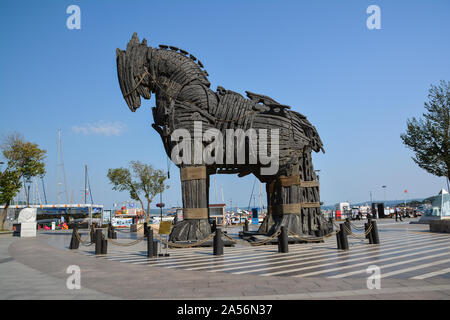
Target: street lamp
(160,205)
(384,188)
(28,181)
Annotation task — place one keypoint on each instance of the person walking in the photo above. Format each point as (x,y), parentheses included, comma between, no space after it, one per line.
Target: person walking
(397,214)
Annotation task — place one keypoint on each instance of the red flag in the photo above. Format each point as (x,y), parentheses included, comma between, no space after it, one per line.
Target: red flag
(406,191)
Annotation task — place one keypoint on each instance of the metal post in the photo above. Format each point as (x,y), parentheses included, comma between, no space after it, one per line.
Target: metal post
(74,242)
(374,233)
(150,252)
(91,233)
(104,249)
(347,223)
(155,248)
(283,241)
(145,229)
(246,226)
(369,235)
(343,236)
(338,240)
(98,241)
(218,243)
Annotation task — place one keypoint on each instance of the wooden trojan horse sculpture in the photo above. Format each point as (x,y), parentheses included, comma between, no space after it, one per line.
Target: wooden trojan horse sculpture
(184,100)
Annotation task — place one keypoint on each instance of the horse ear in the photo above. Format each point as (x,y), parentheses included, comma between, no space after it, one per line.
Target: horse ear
(135,38)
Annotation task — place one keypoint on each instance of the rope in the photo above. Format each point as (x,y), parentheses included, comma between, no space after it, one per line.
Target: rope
(311,239)
(86,242)
(124,231)
(259,243)
(356,227)
(138,84)
(129,244)
(359,236)
(190,245)
(229,238)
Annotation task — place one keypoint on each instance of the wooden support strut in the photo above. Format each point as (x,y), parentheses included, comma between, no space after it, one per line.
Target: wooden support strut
(194,173)
(293,208)
(293,180)
(195,213)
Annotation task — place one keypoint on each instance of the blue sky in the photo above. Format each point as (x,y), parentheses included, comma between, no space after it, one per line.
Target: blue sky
(357,86)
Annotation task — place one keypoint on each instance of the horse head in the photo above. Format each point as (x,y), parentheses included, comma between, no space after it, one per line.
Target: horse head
(133,71)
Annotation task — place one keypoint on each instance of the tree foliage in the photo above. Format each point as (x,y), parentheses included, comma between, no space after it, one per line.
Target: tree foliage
(139,179)
(23,160)
(428,137)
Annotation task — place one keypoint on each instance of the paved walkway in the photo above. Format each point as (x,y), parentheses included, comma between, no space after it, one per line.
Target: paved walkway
(415,264)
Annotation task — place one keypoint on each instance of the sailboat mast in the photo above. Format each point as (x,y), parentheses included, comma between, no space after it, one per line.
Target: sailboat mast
(85,182)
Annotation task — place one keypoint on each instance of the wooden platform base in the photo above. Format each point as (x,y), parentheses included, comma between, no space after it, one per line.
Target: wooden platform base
(190,230)
(294,224)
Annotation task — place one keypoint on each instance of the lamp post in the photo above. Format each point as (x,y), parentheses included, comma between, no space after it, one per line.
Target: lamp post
(28,181)
(384,188)
(160,205)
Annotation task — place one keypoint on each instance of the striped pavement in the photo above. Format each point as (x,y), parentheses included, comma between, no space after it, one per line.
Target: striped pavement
(404,252)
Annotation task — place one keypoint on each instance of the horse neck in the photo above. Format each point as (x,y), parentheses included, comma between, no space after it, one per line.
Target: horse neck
(173,76)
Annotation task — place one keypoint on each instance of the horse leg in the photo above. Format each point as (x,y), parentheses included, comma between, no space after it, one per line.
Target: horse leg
(268,222)
(314,224)
(194,187)
(295,201)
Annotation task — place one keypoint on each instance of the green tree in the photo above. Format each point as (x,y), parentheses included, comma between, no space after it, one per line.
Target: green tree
(429,137)
(24,160)
(139,179)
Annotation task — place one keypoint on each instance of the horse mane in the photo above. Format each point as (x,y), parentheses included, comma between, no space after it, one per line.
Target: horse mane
(189,64)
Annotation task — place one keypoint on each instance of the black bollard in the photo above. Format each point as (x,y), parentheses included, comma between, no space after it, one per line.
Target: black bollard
(283,241)
(369,235)
(374,233)
(246,226)
(155,248)
(347,223)
(104,249)
(150,246)
(145,229)
(343,236)
(98,241)
(109,231)
(218,243)
(91,233)
(74,242)
(338,240)
(213,226)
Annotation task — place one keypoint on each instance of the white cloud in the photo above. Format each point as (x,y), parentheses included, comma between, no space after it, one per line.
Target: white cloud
(101,127)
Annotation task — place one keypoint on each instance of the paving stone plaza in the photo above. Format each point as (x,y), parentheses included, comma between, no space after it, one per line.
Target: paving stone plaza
(413,262)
